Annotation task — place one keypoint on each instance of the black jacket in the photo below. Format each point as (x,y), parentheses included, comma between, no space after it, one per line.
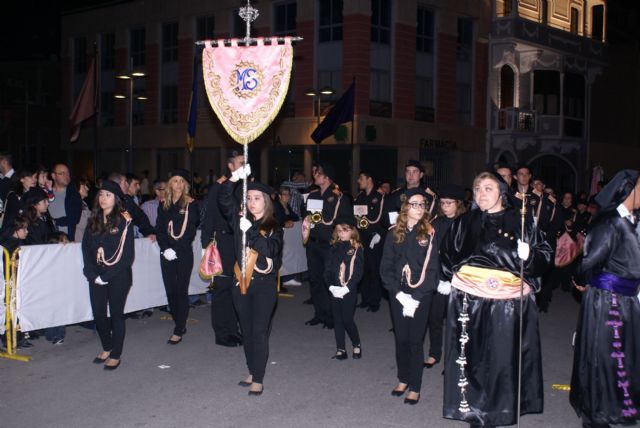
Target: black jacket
(73,210)
(176,214)
(480,239)
(109,241)
(266,244)
(343,252)
(213,220)
(40,230)
(376,206)
(140,219)
(330,198)
(414,253)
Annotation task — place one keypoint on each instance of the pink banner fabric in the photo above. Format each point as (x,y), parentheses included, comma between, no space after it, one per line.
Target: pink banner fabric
(246,86)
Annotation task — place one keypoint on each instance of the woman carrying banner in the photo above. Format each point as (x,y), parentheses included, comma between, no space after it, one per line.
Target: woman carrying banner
(176,225)
(263,259)
(605,384)
(409,271)
(107,250)
(450,206)
(481,260)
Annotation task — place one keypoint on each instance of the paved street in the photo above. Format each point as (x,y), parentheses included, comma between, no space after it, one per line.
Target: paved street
(60,387)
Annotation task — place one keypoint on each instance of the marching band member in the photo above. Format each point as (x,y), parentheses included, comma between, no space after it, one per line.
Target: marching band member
(409,270)
(605,384)
(481,257)
(333,205)
(451,205)
(372,231)
(255,295)
(343,272)
(108,250)
(176,225)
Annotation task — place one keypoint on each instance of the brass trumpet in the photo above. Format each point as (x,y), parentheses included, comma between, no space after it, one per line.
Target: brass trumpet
(316,217)
(363,222)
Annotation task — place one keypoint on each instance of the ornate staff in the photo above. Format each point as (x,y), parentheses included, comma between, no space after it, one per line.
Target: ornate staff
(523,213)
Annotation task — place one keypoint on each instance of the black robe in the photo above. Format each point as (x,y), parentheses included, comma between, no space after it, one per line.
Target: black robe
(605,384)
(490,241)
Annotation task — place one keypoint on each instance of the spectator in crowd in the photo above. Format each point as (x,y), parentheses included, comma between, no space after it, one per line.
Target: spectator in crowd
(140,220)
(133,187)
(145,193)
(14,233)
(211,178)
(82,186)
(45,183)
(41,228)
(298,184)
(108,252)
(285,212)
(67,205)
(197,183)
(26,179)
(6,174)
(150,207)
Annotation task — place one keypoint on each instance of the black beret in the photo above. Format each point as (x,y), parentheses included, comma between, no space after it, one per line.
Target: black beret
(33,196)
(328,170)
(181,172)
(256,185)
(347,219)
(415,163)
(416,191)
(113,187)
(451,191)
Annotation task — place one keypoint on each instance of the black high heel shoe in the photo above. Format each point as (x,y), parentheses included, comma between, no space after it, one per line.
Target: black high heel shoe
(108,367)
(341,354)
(398,392)
(357,355)
(429,365)
(411,401)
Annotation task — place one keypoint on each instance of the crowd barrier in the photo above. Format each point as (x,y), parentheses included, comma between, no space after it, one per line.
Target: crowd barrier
(52,290)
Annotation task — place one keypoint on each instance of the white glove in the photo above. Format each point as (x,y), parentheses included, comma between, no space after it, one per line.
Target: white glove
(241,173)
(408,312)
(99,281)
(204,250)
(523,250)
(407,301)
(334,291)
(342,291)
(169,254)
(245,224)
(376,238)
(444,287)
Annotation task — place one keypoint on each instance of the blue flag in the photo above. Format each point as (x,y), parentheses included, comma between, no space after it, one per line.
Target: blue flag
(340,113)
(193,108)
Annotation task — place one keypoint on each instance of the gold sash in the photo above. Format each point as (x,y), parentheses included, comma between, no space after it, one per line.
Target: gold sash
(488,283)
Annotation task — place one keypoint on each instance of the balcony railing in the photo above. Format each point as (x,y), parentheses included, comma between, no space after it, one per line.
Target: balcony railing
(514,120)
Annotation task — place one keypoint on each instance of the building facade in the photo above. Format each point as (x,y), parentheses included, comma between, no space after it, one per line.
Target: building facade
(420,69)
(545,57)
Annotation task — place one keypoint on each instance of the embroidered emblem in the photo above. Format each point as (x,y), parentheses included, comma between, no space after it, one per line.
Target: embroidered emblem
(331,199)
(423,243)
(245,79)
(114,231)
(374,201)
(350,252)
(492,283)
(182,211)
(403,197)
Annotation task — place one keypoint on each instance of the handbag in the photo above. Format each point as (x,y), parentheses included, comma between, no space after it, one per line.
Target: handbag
(211,262)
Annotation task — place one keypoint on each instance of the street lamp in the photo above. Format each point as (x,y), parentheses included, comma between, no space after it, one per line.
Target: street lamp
(130,77)
(317,94)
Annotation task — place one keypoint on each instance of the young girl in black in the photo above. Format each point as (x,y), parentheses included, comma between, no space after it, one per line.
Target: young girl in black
(264,241)
(344,268)
(108,250)
(27,178)
(35,205)
(176,225)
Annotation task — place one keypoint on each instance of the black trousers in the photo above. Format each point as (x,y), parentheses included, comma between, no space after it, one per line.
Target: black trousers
(111,330)
(176,275)
(317,253)
(223,317)
(371,284)
(409,335)
(438,308)
(255,310)
(343,310)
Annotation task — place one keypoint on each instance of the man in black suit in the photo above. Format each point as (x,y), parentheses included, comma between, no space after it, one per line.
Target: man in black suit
(7,175)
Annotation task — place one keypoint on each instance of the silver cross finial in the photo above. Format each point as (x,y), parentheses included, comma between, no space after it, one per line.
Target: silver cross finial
(248,15)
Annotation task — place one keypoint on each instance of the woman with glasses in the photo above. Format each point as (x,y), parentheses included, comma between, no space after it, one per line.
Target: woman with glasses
(481,261)
(410,271)
(450,206)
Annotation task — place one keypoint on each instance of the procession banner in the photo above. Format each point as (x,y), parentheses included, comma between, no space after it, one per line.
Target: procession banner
(246,85)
